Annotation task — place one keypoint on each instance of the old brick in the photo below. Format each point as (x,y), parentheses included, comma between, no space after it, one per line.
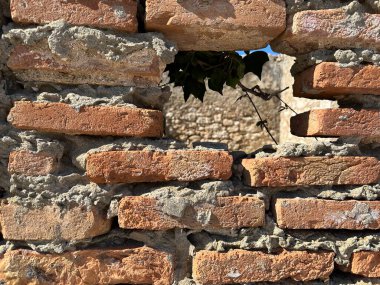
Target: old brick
(80,55)
(241,266)
(329,29)
(365,263)
(31,163)
(304,171)
(328,80)
(110,14)
(229,212)
(155,166)
(113,266)
(89,120)
(217,25)
(50,222)
(327,214)
(337,123)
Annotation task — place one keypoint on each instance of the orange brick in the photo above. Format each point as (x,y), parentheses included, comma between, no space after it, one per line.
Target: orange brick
(211,26)
(155,166)
(229,212)
(337,123)
(241,266)
(113,266)
(32,164)
(327,214)
(365,263)
(110,14)
(305,171)
(328,29)
(51,222)
(89,120)
(328,80)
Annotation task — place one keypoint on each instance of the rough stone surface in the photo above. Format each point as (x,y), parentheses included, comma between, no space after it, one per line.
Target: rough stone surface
(51,222)
(78,55)
(329,79)
(88,120)
(32,164)
(155,166)
(241,266)
(337,123)
(365,263)
(107,266)
(329,29)
(304,171)
(229,212)
(217,25)
(327,214)
(114,14)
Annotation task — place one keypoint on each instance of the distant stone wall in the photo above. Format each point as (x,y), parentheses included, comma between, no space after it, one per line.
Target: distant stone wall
(222,119)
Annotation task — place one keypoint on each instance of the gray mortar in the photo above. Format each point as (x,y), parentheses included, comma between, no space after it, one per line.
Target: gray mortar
(294,6)
(85,95)
(114,47)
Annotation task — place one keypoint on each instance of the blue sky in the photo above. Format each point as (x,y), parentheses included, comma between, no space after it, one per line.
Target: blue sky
(268,49)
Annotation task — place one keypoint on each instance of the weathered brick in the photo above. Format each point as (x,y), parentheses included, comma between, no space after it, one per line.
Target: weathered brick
(31,163)
(304,171)
(110,14)
(337,123)
(229,212)
(241,266)
(142,265)
(155,166)
(365,263)
(327,214)
(50,222)
(329,29)
(328,80)
(80,55)
(89,120)
(211,26)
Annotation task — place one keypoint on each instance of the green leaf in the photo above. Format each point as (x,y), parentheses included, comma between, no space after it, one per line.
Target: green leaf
(195,88)
(255,61)
(217,80)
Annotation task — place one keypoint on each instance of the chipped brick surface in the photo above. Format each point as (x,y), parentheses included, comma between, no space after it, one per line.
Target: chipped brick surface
(104,266)
(50,222)
(30,163)
(155,166)
(328,29)
(327,214)
(365,263)
(241,266)
(110,14)
(337,123)
(328,80)
(211,26)
(89,120)
(304,171)
(229,212)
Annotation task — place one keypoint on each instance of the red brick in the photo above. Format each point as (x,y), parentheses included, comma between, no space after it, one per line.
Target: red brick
(328,80)
(365,263)
(31,163)
(155,166)
(89,120)
(307,171)
(211,26)
(337,123)
(327,214)
(241,266)
(110,14)
(328,29)
(229,212)
(102,267)
(50,222)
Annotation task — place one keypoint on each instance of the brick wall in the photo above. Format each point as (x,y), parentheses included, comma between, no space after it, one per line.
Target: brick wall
(92,192)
